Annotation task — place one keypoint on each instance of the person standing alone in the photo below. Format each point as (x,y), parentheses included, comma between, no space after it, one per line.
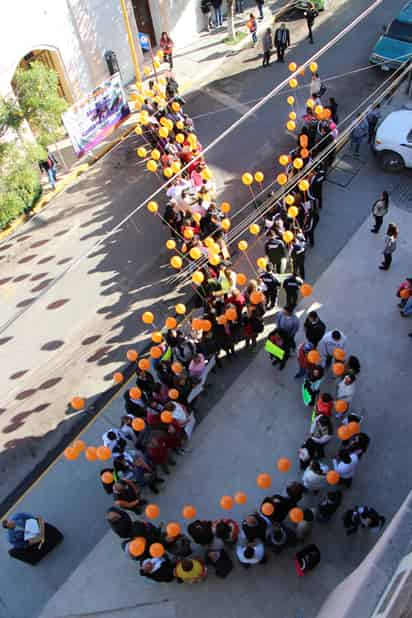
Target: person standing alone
(282,41)
(267,44)
(166,45)
(217,7)
(390,246)
(310,15)
(259,4)
(379,210)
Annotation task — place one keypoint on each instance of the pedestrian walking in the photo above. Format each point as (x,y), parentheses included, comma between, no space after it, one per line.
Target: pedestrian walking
(310,15)
(270,286)
(166,45)
(31,537)
(358,134)
(217,9)
(345,464)
(292,285)
(259,4)
(282,42)
(316,184)
(239,6)
(390,246)
(298,255)
(49,166)
(328,505)
(364,517)
(379,210)
(252,27)
(267,44)
(315,86)
(314,328)
(373,118)
(288,322)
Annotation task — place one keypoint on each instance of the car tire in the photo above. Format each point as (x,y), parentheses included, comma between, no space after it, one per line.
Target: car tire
(391,161)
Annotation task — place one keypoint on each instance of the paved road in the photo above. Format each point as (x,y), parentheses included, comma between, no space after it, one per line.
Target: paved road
(71,339)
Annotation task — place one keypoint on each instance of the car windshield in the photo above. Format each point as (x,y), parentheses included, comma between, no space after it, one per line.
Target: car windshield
(400,30)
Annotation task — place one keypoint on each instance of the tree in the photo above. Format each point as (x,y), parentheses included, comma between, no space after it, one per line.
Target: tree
(36,89)
(11,116)
(231,19)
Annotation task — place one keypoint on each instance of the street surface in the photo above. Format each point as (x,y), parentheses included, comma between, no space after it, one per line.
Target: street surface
(70,340)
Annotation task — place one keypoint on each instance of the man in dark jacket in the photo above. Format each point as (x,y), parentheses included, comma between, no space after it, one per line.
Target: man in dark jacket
(275,251)
(267,44)
(310,15)
(282,41)
(272,285)
(298,255)
(291,285)
(314,328)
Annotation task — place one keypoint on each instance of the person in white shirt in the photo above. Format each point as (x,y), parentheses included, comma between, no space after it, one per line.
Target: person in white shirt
(331,341)
(251,553)
(345,464)
(314,477)
(346,389)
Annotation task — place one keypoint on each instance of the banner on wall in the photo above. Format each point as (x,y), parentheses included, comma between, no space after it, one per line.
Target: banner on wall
(91,119)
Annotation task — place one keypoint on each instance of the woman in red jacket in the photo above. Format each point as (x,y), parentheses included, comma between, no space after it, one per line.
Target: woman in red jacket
(166,44)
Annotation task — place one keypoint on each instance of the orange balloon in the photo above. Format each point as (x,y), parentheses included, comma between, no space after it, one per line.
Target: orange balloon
(152,511)
(306,289)
(103,453)
(241,279)
(303,141)
(177,367)
(240,497)
(156,550)
(327,114)
(267,509)
(118,377)
(196,324)
(338,369)
(333,477)
(189,512)
(257,297)
(284,464)
(91,453)
(282,179)
(304,153)
(138,424)
(148,317)
(144,364)
(131,355)
(226,502)
(404,293)
(135,392)
(157,337)
(225,207)
(173,393)
(221,319)
(339,354)
(231,314)
(79,446)
(296,515)
(313,357)
(137,546)
(354,428)
(170,323)
(156,352)
(77,403)
(107,477)
(166,417)
(341,406)
(70,453)
(173,529)
(264,481)
(343,432)
(206,325)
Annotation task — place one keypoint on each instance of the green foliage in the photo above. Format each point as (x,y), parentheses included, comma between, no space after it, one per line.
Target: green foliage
(11,116)
(20,187)
(36,89)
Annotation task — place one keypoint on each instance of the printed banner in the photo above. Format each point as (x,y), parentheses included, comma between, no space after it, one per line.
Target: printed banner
(90,120)
(274,349)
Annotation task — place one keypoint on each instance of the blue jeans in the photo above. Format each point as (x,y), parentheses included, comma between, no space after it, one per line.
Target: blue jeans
(254,37)
(51,173)
(260,7)
(407,309)
(239,6)
(218,16)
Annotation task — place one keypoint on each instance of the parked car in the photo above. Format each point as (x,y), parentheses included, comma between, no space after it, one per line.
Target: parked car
(394,46)
(393,141)
(297,8)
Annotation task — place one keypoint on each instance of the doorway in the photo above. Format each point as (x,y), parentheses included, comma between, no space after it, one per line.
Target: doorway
(143,19)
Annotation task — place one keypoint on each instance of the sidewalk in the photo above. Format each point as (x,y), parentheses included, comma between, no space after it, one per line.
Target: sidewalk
(257,420)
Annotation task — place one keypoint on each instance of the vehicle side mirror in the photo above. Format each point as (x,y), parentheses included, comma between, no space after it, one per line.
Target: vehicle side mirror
(384,28)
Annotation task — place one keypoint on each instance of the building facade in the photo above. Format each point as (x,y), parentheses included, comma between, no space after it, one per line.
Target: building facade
(74,37)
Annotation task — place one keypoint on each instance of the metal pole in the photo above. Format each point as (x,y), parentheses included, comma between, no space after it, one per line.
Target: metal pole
(153,61)
(131,41)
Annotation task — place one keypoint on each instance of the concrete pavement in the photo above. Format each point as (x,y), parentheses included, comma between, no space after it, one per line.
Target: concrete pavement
(260,417)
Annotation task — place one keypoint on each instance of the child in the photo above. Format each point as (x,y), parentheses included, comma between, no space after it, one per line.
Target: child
(252,27)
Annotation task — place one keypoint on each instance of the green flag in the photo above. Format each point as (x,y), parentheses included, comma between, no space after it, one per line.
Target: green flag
(274,349)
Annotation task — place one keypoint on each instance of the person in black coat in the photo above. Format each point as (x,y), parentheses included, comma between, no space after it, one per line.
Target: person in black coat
(201,532)
(314,328)
(158,569)
(220,560)
(281,41)
(310,15)
(291,285)
(254,527)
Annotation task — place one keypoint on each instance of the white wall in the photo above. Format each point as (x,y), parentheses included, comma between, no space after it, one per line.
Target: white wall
(80,30)
(183,19)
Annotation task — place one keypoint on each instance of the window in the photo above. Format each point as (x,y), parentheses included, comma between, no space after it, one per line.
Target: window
(400,30)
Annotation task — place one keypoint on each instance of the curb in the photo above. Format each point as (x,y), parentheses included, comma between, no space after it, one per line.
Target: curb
(67,181)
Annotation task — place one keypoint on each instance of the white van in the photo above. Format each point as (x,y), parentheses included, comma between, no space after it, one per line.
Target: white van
(393,141)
